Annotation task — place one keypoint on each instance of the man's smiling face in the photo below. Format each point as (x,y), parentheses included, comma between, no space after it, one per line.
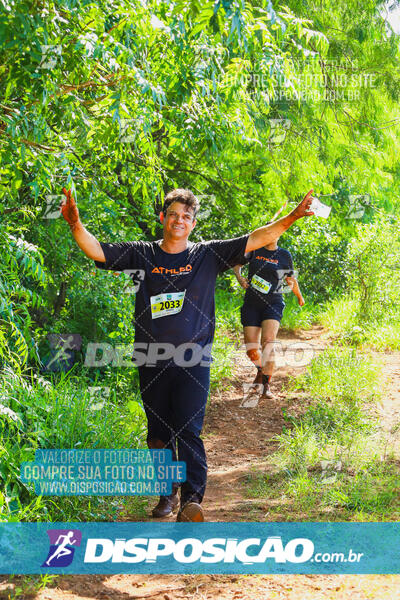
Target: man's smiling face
(178,221)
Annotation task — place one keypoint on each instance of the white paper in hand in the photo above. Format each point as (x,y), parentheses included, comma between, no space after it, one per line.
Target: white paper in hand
(319,209)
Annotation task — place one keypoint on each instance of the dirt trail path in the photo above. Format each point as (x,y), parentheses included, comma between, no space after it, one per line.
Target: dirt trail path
(238,441)
(389,408)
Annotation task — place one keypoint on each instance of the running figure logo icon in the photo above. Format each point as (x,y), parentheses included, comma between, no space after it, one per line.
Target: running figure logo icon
(61,552)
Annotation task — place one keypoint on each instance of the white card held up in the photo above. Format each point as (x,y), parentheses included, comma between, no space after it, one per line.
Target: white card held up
(319,209)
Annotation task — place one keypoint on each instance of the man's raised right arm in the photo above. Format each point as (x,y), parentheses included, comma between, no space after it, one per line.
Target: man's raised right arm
(85,240)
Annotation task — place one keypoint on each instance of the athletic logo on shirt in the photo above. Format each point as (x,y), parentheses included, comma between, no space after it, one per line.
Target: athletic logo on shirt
(270,260)
(164,271)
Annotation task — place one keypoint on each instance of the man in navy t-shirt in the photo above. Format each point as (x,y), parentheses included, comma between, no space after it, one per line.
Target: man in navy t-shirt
(175,300)
(175,324)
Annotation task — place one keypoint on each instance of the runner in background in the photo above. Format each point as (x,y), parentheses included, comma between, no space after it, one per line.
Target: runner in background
(262,309)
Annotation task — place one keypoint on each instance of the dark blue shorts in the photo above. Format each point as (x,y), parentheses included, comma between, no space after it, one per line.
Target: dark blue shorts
(254,314)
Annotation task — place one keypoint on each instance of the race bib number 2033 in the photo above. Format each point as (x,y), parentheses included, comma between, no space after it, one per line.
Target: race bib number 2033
(166,304)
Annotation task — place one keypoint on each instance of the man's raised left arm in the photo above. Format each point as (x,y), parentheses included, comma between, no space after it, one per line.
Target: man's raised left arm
(269,233)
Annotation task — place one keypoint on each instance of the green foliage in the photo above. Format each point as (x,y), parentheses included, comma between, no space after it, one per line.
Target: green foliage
(21,278)
(228,302)
(368,313)
(372,491)
(122,102)
(39,413)
(339,314)
(28,585)
(375,279)
(298,317)
(249,104)
(338,385)
(299,448)
(342,375)
(227,335)
(370,494)
(319,256)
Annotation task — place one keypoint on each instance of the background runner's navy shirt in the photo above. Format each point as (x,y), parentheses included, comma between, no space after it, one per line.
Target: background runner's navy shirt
(272,266)
(194,271)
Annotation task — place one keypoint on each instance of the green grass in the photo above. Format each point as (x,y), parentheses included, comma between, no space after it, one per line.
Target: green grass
(298,317)
(59,412)
(228,303)
(381,333)
(341,375)
(339,315)
(371,494)
(27,586)
(223,364)
(227,337)
(331,462)
(384,337)
(137,506)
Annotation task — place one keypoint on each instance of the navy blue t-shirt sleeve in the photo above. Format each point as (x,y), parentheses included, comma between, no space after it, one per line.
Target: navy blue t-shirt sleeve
(119,256)
(248,257)
(290,272)
(229,253)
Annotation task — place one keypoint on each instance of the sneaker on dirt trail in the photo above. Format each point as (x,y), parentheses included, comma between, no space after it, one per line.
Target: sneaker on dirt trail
(191,511)
(267,392)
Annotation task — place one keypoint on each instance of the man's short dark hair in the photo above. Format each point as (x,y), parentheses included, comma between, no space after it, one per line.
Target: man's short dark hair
(184,196)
